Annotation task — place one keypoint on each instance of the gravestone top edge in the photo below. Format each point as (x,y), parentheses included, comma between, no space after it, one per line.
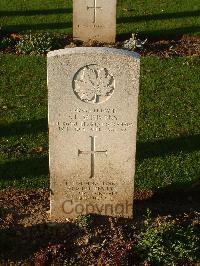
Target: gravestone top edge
(95,50)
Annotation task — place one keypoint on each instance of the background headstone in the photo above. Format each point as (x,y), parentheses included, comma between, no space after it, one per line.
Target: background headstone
(93,105)
(94,20)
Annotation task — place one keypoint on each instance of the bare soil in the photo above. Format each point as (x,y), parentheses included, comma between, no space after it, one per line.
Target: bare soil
(28,237)
(181,46)
(185,46)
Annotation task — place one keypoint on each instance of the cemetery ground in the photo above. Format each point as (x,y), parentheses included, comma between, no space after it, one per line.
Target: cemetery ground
(166,225)
(167,169)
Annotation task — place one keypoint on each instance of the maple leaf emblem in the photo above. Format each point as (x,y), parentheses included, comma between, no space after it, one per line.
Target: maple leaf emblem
(93,84)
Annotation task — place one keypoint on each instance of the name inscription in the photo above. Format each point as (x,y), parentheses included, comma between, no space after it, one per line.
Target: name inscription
(93,120)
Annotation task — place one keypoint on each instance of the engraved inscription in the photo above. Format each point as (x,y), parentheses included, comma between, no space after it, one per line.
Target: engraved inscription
(94,120)
(93,84)
(95,8)
(93,152)
(95,26)
(91,190)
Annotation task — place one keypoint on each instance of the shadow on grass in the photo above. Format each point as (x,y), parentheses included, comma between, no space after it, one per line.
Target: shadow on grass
(162,16)
(20,242)
(31,127)
(37,166)
(11,13)
(162,33)
(162,148)
(24,168)
(175,200)
(169,33)
(35,27)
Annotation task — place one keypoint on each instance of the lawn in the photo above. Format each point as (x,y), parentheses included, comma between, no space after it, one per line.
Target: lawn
(168,145)
(165,229)
(149,18)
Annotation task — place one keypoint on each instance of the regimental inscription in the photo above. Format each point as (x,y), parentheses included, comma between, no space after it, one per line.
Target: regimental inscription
(95,190)
(93,84)
(95,8)
(92,153)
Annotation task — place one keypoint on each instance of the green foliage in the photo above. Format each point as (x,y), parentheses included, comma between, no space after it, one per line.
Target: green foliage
(5,43)
(168,244)
(84,221)
(39,43)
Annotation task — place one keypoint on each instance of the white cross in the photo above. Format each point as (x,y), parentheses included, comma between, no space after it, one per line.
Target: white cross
(95,7)
(92,153)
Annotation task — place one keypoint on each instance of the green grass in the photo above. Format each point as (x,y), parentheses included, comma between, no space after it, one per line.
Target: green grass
(168,244)
(168,144)
(23,102)
(168,129)
(149,18)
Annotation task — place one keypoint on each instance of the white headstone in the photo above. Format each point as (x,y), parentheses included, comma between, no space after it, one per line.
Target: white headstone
(93,105)
(94,20)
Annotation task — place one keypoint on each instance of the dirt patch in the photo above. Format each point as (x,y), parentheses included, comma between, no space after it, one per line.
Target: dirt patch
(186,46)
(28,236)
(182,46)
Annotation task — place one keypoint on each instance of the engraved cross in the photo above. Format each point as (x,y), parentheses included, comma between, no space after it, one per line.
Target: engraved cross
(93,152)
(94,7)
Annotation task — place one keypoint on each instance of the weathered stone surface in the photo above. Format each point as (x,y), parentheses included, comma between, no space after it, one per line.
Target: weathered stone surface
(93,105)
(94,20)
